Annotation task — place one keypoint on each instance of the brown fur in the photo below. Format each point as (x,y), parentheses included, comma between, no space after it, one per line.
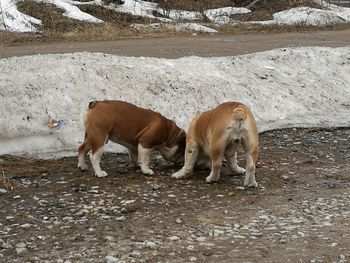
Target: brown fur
(217,133)
(129,125)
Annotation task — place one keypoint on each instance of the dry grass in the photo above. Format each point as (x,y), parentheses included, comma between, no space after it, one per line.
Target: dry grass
(57,27)
(5,183)
(270,29)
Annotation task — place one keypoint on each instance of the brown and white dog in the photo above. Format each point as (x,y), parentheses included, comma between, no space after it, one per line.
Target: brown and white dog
(218,133)
(139,130)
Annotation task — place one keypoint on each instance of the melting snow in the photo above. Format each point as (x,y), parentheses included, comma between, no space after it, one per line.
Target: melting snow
(16,21)
(292,87)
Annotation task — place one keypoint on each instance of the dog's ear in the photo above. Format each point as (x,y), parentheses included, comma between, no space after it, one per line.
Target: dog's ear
(92,104)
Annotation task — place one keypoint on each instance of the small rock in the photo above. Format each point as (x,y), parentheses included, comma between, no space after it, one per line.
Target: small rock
(3,191)
(178,221)
(136,253)
(190,247)
(308,211)
(110,259)
(26,225)
(174,238)
(4,245)
(218,232)
(21,248)
(283,241)
(121,218)
(151,244)
(239,188)
(155,187)
(201,239)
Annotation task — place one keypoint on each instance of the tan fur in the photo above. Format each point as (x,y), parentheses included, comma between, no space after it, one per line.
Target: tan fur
(218,133)
(140,130)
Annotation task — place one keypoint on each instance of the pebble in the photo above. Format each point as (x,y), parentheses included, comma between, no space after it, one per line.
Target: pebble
(27,225)
(201,239)
(155,187)
(110,259)
(173,238)
(3,191)
(121,218)
(21,248)
(151,244)
(178,221)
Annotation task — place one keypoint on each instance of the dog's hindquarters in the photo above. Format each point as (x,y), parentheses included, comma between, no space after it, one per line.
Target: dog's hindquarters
(250,142)
(96,135)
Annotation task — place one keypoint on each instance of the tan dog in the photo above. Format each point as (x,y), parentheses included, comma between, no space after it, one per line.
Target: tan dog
(139,130)
(218,133)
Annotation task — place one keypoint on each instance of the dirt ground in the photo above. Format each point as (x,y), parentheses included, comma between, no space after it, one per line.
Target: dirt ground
(175,47)
(299,213)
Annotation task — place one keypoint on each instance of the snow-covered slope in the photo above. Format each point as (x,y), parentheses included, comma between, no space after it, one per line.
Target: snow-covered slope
(292,87)
(13,20)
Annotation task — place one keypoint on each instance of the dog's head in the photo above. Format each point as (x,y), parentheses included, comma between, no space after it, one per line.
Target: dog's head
(179,154)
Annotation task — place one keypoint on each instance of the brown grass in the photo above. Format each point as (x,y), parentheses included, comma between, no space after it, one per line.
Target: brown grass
(57,27)
(270,29)
(5,183)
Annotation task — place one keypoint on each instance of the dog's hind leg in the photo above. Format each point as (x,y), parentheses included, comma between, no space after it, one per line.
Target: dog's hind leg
(231,158)
(251,156)
(133,156)
(84,148)
(97,150)
(215,153)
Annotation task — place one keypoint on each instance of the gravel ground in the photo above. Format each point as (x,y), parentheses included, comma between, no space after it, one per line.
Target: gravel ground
(299,213)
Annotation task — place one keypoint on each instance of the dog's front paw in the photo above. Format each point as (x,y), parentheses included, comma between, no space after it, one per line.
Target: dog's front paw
(101,174)
(178,175)
(239,170)
(252,184)
(211,179)
(147,171)
(82,166)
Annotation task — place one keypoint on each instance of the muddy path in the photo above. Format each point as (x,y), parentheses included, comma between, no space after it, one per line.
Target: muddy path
(175,47)
(299,213)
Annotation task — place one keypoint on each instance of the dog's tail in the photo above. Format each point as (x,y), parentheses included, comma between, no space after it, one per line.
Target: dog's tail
(239,113)
(92,104)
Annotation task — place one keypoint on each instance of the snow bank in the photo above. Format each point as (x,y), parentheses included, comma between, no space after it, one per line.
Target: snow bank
(292,87)
(13,20)
(176,27)
(71,11)
(306,16)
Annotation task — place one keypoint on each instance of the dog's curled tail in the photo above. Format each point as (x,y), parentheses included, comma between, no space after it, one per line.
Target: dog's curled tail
(239,113)
(92,104)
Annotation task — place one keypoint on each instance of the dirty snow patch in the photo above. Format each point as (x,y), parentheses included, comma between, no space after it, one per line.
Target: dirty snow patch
(291,87)
(13,20)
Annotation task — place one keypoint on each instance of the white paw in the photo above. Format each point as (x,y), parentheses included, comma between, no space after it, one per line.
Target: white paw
(178,175)
(253,184)
(101,174)
(147,171)
(211,179)
(239,170)
(82,166)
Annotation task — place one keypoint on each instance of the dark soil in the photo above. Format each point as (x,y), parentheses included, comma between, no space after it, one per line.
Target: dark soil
(299,213)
